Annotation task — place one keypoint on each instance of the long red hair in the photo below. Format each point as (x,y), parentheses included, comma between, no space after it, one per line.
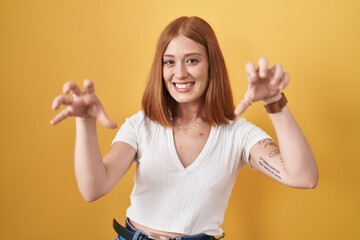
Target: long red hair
(157,103)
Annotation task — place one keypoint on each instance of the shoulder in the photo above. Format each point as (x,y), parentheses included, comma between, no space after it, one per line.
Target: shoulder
(136,119)
(241,128)
(139,120)
(235,124)
(138,116)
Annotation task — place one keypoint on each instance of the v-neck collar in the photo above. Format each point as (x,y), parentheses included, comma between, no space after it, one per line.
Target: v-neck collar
(199,159)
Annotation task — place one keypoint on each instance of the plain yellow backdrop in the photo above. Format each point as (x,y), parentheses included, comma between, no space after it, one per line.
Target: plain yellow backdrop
(45,43)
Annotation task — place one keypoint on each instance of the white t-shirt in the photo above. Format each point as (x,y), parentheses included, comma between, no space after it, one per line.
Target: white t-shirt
(191,200)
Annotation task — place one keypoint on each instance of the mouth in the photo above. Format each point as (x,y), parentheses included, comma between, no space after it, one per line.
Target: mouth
(183,87)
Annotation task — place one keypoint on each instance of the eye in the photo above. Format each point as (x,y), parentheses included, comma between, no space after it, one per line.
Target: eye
(192,61)
(168,62)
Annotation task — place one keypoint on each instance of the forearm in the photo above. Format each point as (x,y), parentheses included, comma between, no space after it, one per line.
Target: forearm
(89,167)
(298,159)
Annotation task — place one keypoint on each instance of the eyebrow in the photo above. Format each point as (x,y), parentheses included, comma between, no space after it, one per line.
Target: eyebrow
(186,55)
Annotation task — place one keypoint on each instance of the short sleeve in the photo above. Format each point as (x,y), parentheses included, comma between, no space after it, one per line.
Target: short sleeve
(251,135)
(128,132)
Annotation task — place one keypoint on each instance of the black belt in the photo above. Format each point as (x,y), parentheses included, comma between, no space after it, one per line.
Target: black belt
(129,234)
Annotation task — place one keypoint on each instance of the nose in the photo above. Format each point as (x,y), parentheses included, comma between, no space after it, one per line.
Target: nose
(180,71)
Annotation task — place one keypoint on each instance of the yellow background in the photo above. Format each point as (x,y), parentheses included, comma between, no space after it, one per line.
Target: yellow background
(45,43)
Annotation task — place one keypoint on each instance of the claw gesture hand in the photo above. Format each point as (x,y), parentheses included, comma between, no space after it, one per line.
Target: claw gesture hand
(264,84)
(83,104)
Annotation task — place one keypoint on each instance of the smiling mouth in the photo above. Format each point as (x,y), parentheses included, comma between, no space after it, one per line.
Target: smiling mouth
(184,85)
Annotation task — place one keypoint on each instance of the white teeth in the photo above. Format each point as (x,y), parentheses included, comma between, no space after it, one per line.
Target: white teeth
(183,85)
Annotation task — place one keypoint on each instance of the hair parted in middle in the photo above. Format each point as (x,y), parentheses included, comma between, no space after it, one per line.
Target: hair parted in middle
(158,104)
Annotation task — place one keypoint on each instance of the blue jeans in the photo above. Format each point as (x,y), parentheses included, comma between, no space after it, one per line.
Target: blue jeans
(138,235)
(119,238)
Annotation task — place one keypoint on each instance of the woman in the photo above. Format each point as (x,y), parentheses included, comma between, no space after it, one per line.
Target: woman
(187,142)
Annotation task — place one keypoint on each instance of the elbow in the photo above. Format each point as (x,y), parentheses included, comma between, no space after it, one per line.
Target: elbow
(90,195)
(309,183)
(313,182)
(90,199)
(91,190)
(305,179)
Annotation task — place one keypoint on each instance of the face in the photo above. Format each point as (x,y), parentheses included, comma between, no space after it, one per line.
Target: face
(185,70)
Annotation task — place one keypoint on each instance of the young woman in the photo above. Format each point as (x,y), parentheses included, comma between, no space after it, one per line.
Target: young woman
(187,142)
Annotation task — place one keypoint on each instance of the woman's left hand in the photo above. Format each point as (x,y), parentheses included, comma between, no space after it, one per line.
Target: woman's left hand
(264,83)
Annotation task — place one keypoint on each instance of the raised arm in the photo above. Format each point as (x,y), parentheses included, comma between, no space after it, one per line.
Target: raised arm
(292,163)
(95,175)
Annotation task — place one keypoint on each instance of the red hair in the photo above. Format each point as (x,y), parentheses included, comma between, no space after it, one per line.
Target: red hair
(157,103)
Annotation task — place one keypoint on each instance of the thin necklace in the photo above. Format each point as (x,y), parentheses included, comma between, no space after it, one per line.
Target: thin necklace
(188,129)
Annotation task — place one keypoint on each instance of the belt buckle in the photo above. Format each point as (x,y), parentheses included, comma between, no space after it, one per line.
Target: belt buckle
(153,236)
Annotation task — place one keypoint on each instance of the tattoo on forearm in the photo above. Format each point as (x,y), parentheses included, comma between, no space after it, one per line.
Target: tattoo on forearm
(268,167)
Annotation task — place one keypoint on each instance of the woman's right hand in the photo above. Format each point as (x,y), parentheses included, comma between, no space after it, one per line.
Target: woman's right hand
(84,104)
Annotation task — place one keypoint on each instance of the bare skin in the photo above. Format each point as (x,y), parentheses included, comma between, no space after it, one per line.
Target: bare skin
(185,78)
(294,158)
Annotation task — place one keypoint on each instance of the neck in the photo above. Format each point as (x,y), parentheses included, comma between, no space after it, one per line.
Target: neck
(187,112)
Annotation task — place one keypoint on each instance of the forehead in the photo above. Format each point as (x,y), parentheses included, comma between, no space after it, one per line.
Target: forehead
(181,45)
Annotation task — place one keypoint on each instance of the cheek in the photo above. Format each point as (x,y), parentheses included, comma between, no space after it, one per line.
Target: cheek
(166,80)
(202,75)
(166,75)
(203,72)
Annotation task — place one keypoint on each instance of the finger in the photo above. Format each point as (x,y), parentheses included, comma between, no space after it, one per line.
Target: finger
(242,106)
(71,87)
(106,121)
(91,100)
(284,81)
(89,86)
(263,67)
(61,100)
(61,116)
(251,72)
(277,74)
